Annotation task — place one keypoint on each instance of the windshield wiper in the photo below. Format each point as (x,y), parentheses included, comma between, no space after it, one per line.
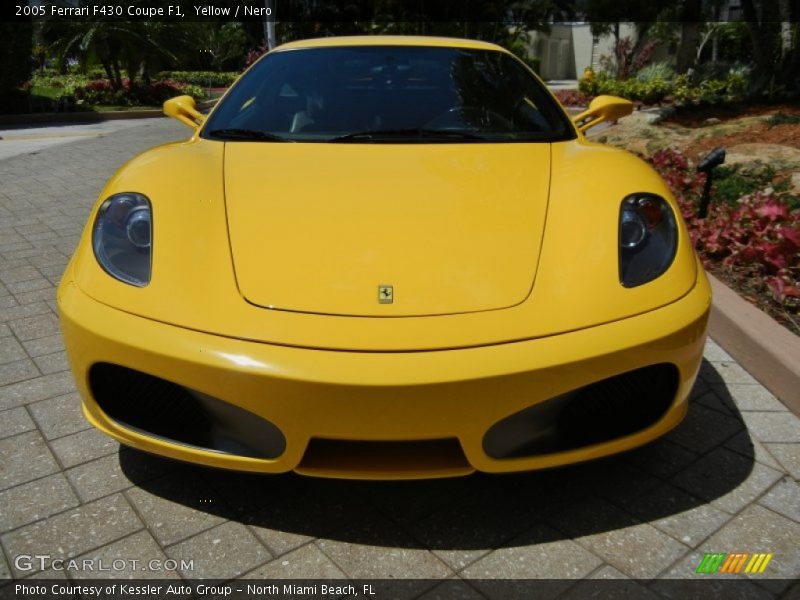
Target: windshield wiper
(246,134)
(408,134)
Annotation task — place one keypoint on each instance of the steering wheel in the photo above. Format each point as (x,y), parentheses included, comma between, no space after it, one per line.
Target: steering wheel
(456,117)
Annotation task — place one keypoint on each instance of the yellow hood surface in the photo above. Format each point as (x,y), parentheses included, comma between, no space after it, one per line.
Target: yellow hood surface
(450,210)
(317,228)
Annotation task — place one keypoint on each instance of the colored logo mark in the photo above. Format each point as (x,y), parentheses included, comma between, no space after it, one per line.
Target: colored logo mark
(737,562)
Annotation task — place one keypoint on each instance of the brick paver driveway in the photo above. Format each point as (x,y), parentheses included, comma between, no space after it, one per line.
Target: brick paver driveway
(724,481)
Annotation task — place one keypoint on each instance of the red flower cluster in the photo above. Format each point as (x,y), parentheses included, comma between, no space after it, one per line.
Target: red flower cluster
(101,91)
(757,240)
(572,98)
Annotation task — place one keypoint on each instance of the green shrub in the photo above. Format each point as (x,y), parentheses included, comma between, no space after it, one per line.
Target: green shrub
(201,78)
(780,118)
(535,63)
(711,91)
(733,182)
(657,71)
(651,88)
(648,91)
(66,84)
(195,91)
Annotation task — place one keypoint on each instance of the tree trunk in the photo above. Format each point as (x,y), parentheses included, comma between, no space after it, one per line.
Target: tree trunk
(791,72)
(145,72)
(786,27)
(690,35)
(117,70)
(107,68)
(790,12)
(763,34)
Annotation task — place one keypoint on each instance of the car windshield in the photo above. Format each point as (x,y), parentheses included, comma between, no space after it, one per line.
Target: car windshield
(389,94)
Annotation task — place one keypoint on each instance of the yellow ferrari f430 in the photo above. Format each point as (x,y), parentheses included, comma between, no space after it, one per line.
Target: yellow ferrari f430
(385,257)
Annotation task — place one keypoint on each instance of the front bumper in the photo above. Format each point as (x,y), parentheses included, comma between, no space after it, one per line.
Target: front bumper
(428,397)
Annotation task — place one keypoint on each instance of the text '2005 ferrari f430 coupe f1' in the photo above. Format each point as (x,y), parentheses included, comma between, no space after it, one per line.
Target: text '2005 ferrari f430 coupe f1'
(385,257)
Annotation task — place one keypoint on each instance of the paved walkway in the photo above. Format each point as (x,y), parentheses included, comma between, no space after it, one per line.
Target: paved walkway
(725,481)
(562,84)
(26,139)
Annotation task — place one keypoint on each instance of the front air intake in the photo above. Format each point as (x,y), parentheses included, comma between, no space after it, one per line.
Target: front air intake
(597,413)
(162,409)
(362,459)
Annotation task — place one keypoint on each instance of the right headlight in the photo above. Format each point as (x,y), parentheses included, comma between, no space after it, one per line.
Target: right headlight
(648,238)
(123,238)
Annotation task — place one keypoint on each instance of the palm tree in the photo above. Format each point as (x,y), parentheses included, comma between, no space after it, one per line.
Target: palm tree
(116,45)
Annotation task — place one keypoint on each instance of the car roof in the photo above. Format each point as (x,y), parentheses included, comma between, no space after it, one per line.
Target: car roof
(390,40)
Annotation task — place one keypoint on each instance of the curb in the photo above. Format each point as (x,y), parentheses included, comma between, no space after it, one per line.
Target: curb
(78,117)
(90,116)
(766,349)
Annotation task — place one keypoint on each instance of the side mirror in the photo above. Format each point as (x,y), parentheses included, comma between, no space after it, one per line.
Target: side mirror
(185,110)
(602,108)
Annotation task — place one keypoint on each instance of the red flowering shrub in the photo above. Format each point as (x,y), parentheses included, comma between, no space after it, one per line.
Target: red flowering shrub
(572,98)
(102,85)
(756,241)
(100,91)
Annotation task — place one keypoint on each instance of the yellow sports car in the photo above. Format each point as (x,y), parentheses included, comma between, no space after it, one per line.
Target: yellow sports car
(385,257)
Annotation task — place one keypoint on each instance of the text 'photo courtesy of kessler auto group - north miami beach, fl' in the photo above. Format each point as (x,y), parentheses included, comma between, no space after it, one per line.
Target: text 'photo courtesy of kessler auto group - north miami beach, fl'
(424,299)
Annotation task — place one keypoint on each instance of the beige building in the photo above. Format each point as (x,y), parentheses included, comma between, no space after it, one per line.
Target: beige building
(568,48)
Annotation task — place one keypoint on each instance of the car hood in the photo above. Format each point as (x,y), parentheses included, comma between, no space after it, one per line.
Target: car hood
(194,285)
(321,228)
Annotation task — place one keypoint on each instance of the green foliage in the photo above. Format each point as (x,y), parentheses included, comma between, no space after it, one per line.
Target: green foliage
(733,182)
(519,47)
(657,71)
(201,78)
(733,42)
(62,85)
(218,46)
(719,70)
(133,47)
(195,91)
(652,88)
(502,22)
(783,119)
(649,91)
(711,91)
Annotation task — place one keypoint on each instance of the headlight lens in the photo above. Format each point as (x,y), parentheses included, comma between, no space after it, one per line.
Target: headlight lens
(648,237)
(123,237)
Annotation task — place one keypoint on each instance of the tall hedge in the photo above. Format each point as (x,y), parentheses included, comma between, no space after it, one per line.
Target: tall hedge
(16,46)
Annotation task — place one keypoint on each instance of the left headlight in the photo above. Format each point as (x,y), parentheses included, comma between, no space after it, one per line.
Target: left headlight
(123,237)
(648,238)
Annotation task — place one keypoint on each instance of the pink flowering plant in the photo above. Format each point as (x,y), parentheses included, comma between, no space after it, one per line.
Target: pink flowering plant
(753,243)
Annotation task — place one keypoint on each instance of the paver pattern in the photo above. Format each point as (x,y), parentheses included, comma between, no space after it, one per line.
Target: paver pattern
(725,480)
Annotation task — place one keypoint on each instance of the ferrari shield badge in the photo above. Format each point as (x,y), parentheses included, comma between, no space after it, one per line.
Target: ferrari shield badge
(385,294)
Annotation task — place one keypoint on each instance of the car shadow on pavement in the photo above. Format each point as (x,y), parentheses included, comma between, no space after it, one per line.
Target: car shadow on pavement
(704,459)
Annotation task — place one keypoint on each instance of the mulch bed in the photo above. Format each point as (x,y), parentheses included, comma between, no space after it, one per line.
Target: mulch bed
(695,116)
(760,133)
(786,134)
